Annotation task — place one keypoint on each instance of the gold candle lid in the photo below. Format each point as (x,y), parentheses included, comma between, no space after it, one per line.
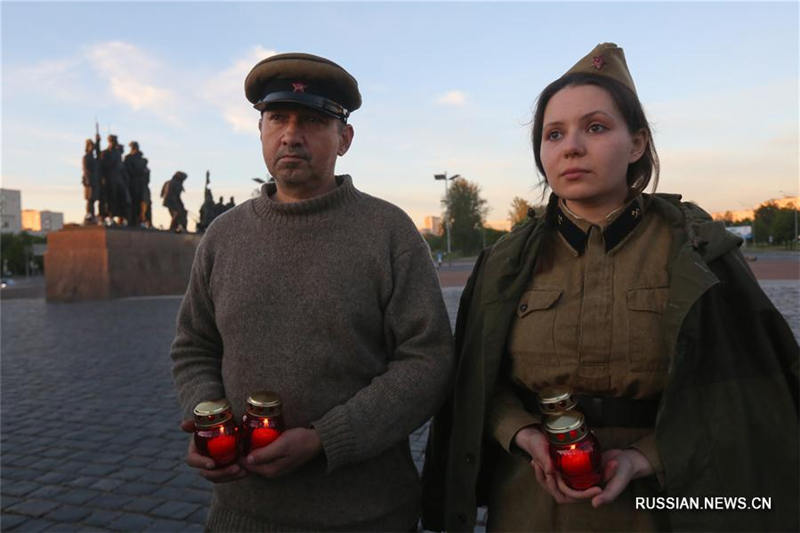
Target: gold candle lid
(556,400)
(264,403)
(566,428)
(211,413)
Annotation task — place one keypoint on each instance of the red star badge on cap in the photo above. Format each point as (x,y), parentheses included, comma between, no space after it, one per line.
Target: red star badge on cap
(598,62)
(299,87)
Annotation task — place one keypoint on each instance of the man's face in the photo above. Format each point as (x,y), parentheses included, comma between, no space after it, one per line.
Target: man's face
(300,146)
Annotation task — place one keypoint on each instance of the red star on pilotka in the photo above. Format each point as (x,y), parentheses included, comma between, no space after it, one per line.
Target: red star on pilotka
(598,62)
(298,87)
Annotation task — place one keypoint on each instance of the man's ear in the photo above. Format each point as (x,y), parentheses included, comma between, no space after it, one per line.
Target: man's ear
(345,139)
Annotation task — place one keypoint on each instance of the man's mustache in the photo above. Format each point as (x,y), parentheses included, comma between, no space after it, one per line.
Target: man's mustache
(293,153)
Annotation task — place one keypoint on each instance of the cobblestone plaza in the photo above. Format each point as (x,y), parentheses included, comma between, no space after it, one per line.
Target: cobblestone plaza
(90,437)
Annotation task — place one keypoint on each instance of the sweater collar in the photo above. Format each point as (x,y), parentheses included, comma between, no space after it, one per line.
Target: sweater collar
(265,206)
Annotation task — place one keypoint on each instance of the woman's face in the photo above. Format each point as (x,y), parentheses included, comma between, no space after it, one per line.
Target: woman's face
(586,149)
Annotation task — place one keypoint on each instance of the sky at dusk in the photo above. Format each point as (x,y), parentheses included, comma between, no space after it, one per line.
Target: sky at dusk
(446,87)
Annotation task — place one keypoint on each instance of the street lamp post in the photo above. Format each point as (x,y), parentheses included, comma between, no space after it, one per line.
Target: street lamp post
(444,178)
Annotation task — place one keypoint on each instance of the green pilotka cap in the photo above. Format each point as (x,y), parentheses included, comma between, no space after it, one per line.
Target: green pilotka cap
(606,59)
(303,79)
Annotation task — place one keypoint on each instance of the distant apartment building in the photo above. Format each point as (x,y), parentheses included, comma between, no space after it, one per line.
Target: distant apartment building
(10,211)
(433,225)
(30,220)
(41,222)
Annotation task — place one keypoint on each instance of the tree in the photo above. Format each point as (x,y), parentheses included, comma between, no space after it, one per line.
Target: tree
(519,211)
(436,242)
(763,218)
(492,235)
(15,250)
(776,222)
(727,218)
(783,225)
(465,212)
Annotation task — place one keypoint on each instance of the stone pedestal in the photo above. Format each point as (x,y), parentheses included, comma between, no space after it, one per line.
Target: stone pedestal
(98,263)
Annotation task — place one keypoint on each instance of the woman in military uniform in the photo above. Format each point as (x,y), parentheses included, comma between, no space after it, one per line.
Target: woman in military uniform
(645,309)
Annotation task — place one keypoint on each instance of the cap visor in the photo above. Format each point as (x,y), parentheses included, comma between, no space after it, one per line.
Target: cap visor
(312,101)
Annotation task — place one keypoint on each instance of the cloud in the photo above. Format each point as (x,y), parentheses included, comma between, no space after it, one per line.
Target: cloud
(56,79)
(225,91)
(49,70)
(457,98)
(129,72)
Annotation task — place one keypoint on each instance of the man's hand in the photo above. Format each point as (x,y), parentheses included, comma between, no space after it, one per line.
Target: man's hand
(294,448)
(205,465)
(534,442)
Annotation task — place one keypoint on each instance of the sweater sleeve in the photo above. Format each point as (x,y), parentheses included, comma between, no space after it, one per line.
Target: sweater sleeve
(197,348)
(413,386)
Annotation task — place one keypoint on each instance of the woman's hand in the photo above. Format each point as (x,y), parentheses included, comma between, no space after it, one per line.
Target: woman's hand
(534,442)
(619,468)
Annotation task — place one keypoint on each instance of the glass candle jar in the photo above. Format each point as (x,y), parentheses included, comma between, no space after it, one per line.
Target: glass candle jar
(262,423)
(216,434)
(556,400)
(575,450)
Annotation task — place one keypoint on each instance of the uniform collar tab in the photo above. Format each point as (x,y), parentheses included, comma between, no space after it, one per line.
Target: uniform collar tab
(623,222)
(622,226)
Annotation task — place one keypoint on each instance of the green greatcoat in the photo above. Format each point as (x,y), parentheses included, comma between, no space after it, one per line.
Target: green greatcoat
(727,423)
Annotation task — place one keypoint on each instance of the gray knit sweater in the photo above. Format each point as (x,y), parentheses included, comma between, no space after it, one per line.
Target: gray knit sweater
(334,304)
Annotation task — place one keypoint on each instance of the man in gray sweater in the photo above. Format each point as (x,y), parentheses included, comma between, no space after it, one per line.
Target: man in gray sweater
(328,297)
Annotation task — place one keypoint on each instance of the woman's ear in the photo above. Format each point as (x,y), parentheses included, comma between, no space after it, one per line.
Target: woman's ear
(640,140)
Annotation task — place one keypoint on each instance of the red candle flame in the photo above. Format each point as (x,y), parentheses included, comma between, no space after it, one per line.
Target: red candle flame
(222,448)
(263,436)
(579,463)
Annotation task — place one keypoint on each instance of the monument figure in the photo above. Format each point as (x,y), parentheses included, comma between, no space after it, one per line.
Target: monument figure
(220,206)
(208,210)
(171,194)
(91,181)
(138,175)
(117,199)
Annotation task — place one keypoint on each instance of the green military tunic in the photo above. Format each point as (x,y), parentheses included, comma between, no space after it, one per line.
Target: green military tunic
(589,319)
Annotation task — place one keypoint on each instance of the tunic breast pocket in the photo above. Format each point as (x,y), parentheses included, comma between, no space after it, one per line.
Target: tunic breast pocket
(533,334)
(645,311)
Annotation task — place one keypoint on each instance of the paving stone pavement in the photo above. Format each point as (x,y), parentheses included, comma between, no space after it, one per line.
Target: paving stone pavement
(89,437)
